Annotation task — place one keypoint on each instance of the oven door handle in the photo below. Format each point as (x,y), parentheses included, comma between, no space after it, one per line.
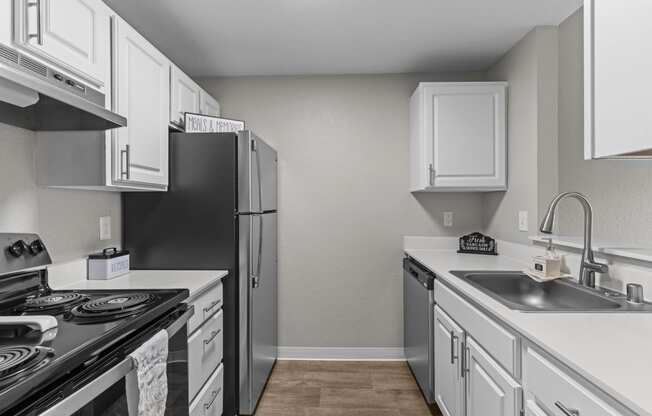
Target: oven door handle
(90,391)
(181,321)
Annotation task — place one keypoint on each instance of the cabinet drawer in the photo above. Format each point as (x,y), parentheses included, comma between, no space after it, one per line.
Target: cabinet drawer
(496,340)
(204,353)
(548,387)
(209,401)
(206,306)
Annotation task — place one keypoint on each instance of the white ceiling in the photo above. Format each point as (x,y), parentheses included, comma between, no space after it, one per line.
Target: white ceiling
(291,37)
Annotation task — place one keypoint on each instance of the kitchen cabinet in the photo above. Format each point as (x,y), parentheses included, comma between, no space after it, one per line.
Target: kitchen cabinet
(205,353)
(188,97)
(142,94)
(449,383)
(73,34)
(616,100)
(490,390)
(185,96)
(208,105)
(458,139)
(132,158)
(469,379)
(209,401)
(547,386)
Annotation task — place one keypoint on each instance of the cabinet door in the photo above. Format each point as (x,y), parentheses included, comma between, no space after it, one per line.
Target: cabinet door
(616,102)
(490,391)
(74,34)
(449,383)
(184,96)
(553,389)
(142,94)
(465,136)
(209,105)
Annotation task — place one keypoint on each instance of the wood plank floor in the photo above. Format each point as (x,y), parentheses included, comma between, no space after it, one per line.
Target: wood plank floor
(334,388)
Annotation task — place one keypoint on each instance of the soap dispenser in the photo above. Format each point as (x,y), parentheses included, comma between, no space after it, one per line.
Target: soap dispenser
(548,265)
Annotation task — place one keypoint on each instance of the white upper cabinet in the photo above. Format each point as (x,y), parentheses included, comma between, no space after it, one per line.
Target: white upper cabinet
(185,96)
(209,105)
(73,34)
(142,94)
(458,137)
(616,97)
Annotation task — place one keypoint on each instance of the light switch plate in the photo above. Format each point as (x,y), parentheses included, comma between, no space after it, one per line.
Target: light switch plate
(522,221)
(448,219)
(105,228)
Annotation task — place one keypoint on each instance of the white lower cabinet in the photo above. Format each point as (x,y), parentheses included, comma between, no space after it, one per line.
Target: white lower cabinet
(484,368)
(205,353)
(209,400)
(468,381)
(551,391)
(490,390)
(449,384)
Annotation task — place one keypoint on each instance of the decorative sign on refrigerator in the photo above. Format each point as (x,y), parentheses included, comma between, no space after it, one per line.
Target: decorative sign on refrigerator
(199,123)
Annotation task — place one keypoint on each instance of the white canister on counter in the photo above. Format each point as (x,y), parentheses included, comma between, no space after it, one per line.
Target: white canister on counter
(108,264)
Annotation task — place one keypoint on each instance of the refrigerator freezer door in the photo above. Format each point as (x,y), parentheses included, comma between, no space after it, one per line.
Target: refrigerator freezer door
(258,311)
(257,170)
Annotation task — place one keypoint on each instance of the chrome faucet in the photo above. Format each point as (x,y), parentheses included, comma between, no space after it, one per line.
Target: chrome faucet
(589,267)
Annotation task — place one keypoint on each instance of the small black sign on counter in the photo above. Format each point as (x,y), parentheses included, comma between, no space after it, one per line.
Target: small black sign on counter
(478,243)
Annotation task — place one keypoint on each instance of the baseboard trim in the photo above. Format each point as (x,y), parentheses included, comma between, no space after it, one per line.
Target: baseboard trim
(340,354)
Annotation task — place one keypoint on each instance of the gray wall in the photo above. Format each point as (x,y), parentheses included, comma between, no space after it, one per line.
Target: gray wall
(344,203)
(67,220)
(620,191)
(531,70)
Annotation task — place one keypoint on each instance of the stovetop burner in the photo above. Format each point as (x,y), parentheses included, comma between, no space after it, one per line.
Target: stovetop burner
(111,307)
(51,302)
(16,361)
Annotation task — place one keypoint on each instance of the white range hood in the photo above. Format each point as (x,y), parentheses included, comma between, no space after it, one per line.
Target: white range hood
(37,97)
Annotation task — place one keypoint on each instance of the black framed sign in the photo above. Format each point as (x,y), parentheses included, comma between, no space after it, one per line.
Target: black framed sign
(478,243)
(199,123)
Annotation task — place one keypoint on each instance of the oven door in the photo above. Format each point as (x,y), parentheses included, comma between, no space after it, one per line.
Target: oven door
(106,394)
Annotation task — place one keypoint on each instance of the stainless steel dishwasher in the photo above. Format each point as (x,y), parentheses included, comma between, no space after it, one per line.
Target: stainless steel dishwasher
(418,319)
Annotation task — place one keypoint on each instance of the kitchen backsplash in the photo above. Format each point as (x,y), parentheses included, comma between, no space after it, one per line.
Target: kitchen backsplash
(68,221)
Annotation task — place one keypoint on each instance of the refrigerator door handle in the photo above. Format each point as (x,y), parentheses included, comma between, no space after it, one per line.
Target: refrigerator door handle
(258,173)
(255,277)
(260,245)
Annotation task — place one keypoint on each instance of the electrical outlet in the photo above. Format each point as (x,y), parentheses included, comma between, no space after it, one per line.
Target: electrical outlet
(448,219)
(522,221)
(105,228)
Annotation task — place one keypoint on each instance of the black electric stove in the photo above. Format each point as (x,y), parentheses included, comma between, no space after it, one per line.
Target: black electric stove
(95,329)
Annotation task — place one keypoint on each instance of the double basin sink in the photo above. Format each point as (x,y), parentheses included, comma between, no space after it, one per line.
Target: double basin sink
(519,292)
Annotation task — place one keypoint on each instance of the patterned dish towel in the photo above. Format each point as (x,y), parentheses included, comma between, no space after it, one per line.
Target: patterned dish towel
(147,385)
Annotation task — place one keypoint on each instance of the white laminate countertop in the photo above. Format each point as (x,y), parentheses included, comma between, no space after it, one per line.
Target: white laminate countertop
(196,281)
(611,350)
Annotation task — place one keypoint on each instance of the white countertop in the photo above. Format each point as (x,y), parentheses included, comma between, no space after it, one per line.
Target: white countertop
(196,281)
(612,351)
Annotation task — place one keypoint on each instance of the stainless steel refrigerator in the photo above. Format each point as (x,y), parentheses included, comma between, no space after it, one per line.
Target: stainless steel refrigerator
(219,214)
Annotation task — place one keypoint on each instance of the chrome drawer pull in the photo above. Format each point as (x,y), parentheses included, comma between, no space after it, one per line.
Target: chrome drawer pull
(39,27)
(212,337)
(211,306)
(453,341)
(566,411)
(214,395)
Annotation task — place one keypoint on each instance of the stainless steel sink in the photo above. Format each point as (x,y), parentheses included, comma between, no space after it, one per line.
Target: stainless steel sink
(518,291)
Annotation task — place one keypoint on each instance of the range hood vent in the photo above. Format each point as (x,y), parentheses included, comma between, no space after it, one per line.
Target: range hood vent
(36,97)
